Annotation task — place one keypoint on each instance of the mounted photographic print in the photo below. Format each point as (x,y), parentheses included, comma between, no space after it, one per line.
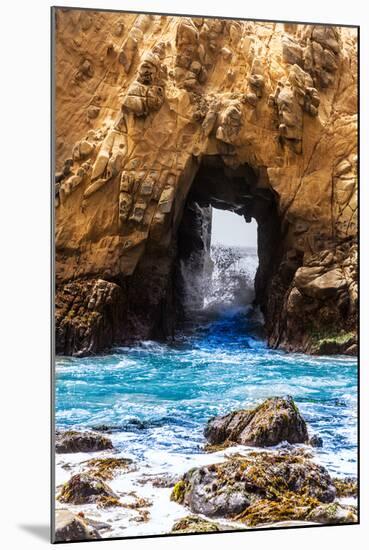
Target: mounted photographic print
(205,376)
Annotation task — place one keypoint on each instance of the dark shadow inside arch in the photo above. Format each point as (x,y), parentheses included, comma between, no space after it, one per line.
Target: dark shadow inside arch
(245,192)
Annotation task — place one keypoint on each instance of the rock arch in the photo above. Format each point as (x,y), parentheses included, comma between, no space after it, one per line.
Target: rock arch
(172,102)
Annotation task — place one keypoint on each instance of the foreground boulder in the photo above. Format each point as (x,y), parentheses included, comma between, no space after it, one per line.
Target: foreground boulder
(229,488)
(277,419)
(81,442)
(84,489)
(72,527)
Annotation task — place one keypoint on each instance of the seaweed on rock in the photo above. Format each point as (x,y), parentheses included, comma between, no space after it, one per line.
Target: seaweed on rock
(229,488)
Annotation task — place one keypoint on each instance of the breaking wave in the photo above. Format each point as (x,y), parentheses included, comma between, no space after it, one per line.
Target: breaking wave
(224,282)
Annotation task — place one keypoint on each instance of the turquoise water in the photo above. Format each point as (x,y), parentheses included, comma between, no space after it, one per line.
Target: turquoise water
(157,397)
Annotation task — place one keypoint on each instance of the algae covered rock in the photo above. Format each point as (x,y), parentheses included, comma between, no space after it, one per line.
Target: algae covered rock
(346,487)
(333,513)
(203,491)
(195,524)
(287,507)
(106,468)
(277,419)
(72,527)
(81,442)
(296,507)
(229,488)
(84,488)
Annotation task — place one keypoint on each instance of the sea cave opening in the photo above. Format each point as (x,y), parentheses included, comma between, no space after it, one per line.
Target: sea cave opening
(228,242)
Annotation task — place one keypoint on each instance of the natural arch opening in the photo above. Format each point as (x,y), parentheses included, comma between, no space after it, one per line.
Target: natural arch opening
(210,273)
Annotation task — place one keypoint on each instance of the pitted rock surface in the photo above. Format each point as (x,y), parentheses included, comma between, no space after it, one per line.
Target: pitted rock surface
(146,105)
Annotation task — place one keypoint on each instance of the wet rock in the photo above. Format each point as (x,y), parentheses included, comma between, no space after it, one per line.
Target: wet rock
(296,508)
(277,419)
(209,448)
(106,468)
(203,494)
(335,344)
(351,350)
(84,489)
(130,425)
(161,481)
(104,428)
(321,309)
(72,527)
(333,513)
(81,442)
(194,524)
(288,507)
(88,317)
(229,488)
(316,441)
(345,487)
(143,516)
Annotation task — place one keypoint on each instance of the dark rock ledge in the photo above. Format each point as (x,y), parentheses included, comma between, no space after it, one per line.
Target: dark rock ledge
(72,441)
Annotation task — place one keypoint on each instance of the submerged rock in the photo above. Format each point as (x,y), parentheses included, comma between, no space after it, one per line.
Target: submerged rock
(316,441)
(76,442)
(277,419)
(229,488)
(72,527)
(159,481)
(84,488)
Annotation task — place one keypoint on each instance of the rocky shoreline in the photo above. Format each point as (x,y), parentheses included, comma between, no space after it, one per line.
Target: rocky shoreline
(264,475)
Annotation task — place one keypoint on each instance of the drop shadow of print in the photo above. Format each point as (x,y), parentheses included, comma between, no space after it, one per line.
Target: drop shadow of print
(40,531)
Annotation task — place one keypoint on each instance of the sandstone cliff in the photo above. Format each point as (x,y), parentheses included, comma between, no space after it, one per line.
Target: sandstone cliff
(156,114)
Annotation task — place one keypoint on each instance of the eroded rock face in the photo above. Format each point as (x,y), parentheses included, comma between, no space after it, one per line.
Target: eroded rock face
(81,442)
(88,316)
(142,103)
(277,419)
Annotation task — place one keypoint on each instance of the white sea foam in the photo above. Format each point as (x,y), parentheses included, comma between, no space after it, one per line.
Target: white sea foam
(158,397)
